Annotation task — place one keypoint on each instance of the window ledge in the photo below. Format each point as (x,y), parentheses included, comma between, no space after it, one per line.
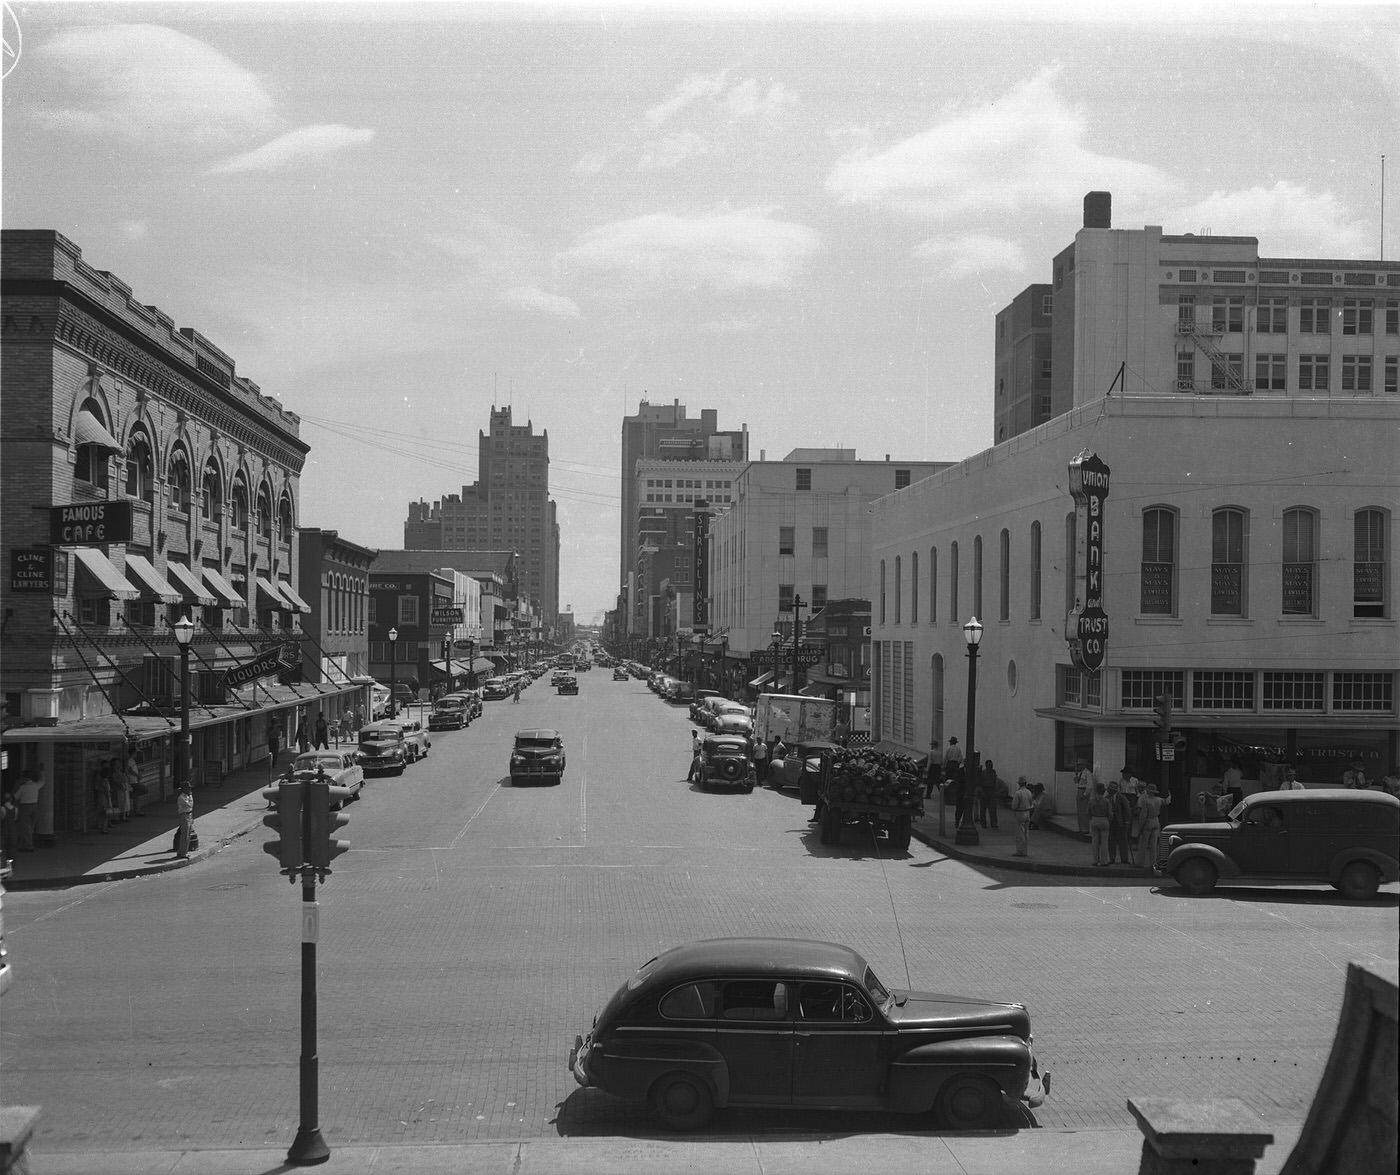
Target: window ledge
(1167,620)
(1316,621)
(1229,620)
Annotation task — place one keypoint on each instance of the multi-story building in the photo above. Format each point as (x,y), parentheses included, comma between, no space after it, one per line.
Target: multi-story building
(798,529)
(335,584)
(408,587)
(507,508)
(663,432)
(1242,558)
(144,482)
(1024,393)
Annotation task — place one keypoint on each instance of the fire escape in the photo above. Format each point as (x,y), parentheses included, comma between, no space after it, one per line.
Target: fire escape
(1223,377)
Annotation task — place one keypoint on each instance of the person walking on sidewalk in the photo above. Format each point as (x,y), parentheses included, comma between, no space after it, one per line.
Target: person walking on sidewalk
(1098,825)
(759,755)
(184,808)
(321,741)
(303,737)
(933,770)
(1084,780)
(31,785)
(102,797)
(1150,811)
(987,794)
(121,791)
(694,772)
(274,745)
(1021,811)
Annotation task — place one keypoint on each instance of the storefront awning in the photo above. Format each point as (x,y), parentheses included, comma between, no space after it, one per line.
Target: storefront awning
(190,584)
(88,430)
(762,680)
(102,578)
(269,592)
(229,596)
(482,665)
(289,593)
(149,582)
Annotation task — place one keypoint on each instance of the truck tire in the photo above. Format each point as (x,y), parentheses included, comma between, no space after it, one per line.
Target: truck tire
(901,830)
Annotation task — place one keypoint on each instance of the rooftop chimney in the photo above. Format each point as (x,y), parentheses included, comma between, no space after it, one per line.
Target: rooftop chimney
(1098,210)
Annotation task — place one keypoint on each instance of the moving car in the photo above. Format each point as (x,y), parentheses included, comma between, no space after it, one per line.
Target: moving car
(725,759)
(382,747)
(342,769)
(496,688)
(568,684)
(537,755)
(1350,839)
(619,673)
(787,1022)
(680,693)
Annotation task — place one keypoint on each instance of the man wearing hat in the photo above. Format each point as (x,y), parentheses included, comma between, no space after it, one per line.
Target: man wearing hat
(1120,814)
(1150,809)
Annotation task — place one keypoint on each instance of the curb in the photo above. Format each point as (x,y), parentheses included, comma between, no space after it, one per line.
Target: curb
(18,884)
(1031,866)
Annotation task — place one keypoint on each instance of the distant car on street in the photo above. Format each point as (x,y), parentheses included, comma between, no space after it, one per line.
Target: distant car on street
(568,684)
(450,713)
(496,688)
(537,755)
(787,1022)
(416,740)
(725,759)
(619,673)
(341,769)
(382,747)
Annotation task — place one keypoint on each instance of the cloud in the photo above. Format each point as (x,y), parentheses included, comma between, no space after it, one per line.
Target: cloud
(313,142)
(671,150)
(1288,219)
(971,254)
(1024,150)
(534,298)
(749,100)
(147,83)
(724,250)
(694,88)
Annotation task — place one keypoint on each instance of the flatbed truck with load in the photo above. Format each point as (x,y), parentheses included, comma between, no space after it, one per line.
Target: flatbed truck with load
(862,786)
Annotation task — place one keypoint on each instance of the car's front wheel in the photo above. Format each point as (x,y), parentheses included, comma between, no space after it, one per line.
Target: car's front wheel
(969,1101)
(1359,881)
(681,1101)
(1197,875)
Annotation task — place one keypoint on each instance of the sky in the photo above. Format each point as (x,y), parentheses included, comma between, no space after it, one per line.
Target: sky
(394,217)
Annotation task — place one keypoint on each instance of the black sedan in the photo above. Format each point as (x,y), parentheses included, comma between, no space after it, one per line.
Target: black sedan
(788,1022)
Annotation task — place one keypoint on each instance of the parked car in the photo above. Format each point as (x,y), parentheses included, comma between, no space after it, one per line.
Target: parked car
(557,676)
(341,768)
(382,747)
(725,706)
(537,754)
(680,693)
(568,684)
(415,738)
(784,1022)
(450,713)
(735,722)
(619,673)
(1350,839)
(698,701)
(496,688)
(724,758)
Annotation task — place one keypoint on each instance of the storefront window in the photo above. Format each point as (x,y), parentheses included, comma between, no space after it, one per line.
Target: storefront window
(1072,743)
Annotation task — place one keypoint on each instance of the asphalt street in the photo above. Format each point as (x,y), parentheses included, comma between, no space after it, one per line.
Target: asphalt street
(474,928)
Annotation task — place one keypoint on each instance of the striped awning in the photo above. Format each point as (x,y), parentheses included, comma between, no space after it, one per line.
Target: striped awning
(229,596)
(268,589)
(149,583)
(290,595)
(88,430)
(190,584)
(97,576)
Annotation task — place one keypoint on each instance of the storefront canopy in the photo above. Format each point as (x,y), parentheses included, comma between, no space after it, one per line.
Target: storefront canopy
(190,584)
(149,582)
(229,596)
(289,593)
(761,680)
(268,590)
(97,576)
(88,430)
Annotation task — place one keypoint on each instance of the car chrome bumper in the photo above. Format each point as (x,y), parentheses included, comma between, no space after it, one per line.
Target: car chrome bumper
(1037,1089)
(576,1065)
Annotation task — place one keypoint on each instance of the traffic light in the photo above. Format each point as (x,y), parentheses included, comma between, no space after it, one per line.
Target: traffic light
(322,847)
(290,798)
(1163,705)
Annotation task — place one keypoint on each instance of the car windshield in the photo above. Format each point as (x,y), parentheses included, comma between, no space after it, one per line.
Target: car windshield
(311,762)
(534,744)
(379,736)
(878,991)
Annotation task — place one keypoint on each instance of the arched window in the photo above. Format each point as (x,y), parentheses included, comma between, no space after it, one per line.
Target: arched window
(1157,594)
(898,586)
(140,473)
(264,514)
(1004,578)
(93,444)
(1300,562)
(953,582)
(914,588)
(178,482)
(933,585)
(1368,568)
(284,520)
(977,576)
(1229,533)
(211,493)
(239,501)
(1035,570)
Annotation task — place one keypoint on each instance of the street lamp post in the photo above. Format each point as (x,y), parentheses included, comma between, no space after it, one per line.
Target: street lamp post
(798,603)
(184,634)
(776,641)
(967,826)
(393,702)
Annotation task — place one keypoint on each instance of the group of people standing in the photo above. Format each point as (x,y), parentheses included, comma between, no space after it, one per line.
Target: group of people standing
(1123,819)
(977,793)
(115,789)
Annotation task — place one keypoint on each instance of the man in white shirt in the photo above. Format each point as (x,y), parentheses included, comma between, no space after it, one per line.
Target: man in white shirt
(1084,780)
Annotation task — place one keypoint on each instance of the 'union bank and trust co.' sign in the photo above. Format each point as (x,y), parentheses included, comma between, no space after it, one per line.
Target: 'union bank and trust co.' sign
(90,524)
(1087,630)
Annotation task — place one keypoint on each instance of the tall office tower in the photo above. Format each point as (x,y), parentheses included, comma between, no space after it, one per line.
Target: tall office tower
(507,508)
(664,432)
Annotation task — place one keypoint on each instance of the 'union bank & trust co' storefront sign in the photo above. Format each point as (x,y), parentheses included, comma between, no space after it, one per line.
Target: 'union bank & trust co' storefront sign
(1087,630)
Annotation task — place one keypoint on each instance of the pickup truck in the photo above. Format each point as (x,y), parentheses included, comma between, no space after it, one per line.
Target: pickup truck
(880,791)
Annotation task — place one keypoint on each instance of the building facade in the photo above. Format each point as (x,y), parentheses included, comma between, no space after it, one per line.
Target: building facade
(1025,389)
(404,591)
(799,529)
(508,507)
(1246,553)
(145,482)
(335,584)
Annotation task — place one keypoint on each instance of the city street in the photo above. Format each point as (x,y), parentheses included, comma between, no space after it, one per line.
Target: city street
(474,928)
